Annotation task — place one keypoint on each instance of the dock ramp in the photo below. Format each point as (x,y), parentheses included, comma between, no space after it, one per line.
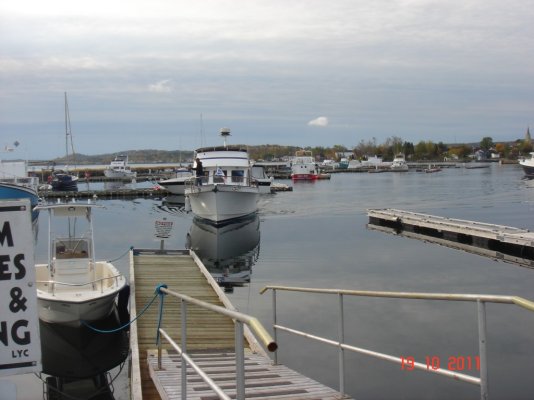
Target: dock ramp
(223,354)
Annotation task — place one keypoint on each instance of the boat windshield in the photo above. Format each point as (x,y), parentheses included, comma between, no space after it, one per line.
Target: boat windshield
(71,248)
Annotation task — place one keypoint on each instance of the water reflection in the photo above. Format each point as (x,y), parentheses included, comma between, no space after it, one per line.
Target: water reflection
(174,204)
(227,251)
(77,359)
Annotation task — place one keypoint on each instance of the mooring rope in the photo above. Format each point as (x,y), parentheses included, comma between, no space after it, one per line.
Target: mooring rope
(118,258)
(160,316)
(157,293)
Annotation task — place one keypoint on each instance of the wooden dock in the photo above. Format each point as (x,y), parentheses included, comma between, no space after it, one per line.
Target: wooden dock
(210,337)
(507,241)
(104,194)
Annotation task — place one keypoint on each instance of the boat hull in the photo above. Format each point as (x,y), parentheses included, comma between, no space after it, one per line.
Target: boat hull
(14,191)
(304,177)
(109,173)
(175,185)
(64,183)
(528,167)
(72,305)
(219,203)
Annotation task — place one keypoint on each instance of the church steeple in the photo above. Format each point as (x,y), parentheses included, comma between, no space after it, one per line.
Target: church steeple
(528,139)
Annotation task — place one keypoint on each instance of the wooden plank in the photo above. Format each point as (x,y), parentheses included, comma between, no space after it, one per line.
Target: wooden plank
(178,270)
(263,380)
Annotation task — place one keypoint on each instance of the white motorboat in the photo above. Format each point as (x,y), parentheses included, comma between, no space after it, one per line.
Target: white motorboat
(528,165)
(226,190)
(176,185)
(263,181)
(119,168)
(72,287)
(303,166)
(399,164)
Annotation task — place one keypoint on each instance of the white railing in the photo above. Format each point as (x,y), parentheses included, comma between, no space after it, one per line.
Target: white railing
(239,320)
(53,283)
(480,299)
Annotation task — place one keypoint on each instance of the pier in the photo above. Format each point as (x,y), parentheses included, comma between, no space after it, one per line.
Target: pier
(506,243)
(220,364)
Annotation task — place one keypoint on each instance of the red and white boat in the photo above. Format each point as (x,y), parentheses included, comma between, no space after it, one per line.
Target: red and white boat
(303,166)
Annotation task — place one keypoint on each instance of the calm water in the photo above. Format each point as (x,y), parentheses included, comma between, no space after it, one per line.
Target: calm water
(316,236)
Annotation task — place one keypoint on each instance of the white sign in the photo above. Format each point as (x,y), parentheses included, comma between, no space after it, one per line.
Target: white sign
(20,344)
(163,229)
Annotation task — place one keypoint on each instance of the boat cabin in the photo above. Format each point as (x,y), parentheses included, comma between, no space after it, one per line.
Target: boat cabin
(224,165)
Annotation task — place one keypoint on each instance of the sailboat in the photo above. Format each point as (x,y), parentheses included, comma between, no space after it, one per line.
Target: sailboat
(63,180)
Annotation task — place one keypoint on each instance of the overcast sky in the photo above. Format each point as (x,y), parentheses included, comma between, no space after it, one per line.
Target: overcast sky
(139,74)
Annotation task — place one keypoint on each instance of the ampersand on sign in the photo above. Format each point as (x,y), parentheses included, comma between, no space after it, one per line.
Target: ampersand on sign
(17,302)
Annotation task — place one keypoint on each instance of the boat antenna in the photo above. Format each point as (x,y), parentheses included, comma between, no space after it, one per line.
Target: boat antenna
(225,132)
(201,131)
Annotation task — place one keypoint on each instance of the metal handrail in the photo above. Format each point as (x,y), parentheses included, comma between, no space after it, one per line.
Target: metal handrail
(54,283)
(253,323)
(480,299)
(240,319)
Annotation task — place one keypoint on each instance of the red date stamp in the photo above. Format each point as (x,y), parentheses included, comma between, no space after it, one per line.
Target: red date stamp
(452,363)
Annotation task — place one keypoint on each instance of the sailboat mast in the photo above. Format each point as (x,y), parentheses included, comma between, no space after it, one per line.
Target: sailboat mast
(68,133)
(67,123)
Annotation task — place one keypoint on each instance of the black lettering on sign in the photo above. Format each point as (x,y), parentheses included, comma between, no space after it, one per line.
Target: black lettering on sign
(22,270)
(19,337)
(20,340)
(4,268)
(3,333)
(5,233)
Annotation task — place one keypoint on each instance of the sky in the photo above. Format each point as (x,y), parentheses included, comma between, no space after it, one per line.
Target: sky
(168,74)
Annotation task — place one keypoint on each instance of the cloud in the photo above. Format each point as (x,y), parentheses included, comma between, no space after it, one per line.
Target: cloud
(320,121)
(161,87)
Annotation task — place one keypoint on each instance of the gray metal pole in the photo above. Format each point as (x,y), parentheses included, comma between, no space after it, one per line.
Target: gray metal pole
(341,351)
(239,361)
(184,347)
(274,327)
(482,349)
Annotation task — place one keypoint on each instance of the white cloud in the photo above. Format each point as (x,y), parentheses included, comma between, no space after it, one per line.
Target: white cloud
(320,121)
(163,86)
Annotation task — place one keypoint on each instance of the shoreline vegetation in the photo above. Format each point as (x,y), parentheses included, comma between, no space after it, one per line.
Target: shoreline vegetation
(422,151)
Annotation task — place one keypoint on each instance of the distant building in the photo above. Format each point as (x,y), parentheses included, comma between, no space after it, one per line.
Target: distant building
(527,136)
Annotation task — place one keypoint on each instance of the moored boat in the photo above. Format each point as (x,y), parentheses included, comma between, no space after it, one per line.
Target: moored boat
(73,287)
(119,168)
(226,189)
(16,184)
(176,185)
(303,166)
(528,165)
(64,180)
(399,164)
(262,180)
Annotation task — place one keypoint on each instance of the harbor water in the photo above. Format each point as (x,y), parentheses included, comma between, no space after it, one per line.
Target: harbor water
(317,236)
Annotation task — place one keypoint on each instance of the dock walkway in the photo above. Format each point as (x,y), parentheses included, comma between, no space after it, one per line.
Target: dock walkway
(210,337)
(505,239)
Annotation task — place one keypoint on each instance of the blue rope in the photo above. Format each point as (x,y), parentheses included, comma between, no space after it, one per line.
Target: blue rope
(160,316)
(158,292)
(118,258)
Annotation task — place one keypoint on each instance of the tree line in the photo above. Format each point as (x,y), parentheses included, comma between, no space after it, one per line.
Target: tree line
(423,150)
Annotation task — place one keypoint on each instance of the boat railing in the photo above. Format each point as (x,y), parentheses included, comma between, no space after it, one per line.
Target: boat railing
(240,319)
(53,283)
(215,179)
(405,362)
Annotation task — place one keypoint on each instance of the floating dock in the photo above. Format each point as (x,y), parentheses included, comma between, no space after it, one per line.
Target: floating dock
(501,242)
(210,338)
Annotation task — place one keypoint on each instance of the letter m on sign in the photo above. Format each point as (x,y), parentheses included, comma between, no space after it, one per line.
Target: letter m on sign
(5,234)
